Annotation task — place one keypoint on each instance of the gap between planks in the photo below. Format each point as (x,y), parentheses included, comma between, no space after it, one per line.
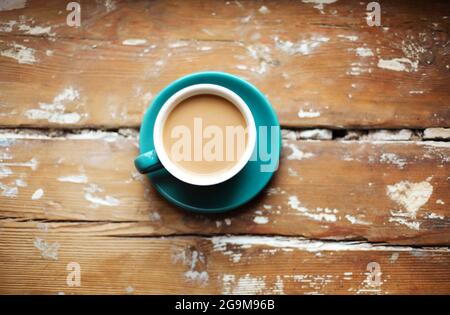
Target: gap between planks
(369,135)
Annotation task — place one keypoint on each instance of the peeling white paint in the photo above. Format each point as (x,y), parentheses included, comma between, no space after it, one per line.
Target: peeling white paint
(220,244)
(364,52)
(129,289)
(244,285)
(319,4)
(433,215)
(411,197)
(9,191)
(22,54)
(302,47)
(308,114)
(37,194)
(178,44)
(55,112)
(110,5)
(354,220)
(263,10)
(261,220)
(315,134)
(5,171)
(436,133)
(297,154)
(47,250)
(7,27)
(134,42)
(7,5)
(394,257)
(204,48)
(392,158)
(96,201)
(36,30)
(262,54)
(77,179)
(352,38)
(295,204)
(32,164)
(399,64)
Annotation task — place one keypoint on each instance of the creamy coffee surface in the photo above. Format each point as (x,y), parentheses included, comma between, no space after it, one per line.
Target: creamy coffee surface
(205,134)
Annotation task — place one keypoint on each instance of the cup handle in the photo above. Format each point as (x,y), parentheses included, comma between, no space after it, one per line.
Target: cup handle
(147,162)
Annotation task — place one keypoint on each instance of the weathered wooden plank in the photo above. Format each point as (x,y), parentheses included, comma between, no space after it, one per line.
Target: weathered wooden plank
(35,260)
(394,192)
(318,67)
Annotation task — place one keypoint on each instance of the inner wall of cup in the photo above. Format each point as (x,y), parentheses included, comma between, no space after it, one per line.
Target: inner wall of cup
(206,92)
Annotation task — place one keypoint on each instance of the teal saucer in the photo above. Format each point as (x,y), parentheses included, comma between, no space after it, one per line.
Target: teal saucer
(249,181)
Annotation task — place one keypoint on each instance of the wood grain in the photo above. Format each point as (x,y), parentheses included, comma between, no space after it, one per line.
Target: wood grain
(306,61)
(322,190)
(214,265)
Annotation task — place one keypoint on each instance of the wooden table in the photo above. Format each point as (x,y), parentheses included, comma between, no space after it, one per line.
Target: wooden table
(353,209)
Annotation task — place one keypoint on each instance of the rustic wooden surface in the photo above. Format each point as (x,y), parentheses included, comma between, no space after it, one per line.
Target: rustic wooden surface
(336,204)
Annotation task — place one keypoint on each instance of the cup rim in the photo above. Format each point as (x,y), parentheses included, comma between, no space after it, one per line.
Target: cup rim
(172,102)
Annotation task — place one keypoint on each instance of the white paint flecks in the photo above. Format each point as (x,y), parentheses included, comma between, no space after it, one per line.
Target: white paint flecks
(22,54)
(129,289)
(55,112)
(178,44)
(134,42)
(244,285)
(6,5)
(388,135)
(354,220)
(154,216)
(392,158)
(308,114)
(9,191)
(440,202)
(398,64)
(434,216)
(302,47)
(7,27)
(322,214)
(394,257)
(364,52)
(437,133)
(263,10)
(5,171)
(110,5)
(352,38)
(32,164)
(315,134)
(411,197)
(77,179)
(297,154)
(193,275)
(96,201)
(220,244)
(319,4)
(204,48)
(47,250)
(36,30)
(262,54)
(37,194)
(261,220)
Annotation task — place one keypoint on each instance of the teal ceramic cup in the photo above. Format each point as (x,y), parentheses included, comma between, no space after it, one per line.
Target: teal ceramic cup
(217,195)
(158,157)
